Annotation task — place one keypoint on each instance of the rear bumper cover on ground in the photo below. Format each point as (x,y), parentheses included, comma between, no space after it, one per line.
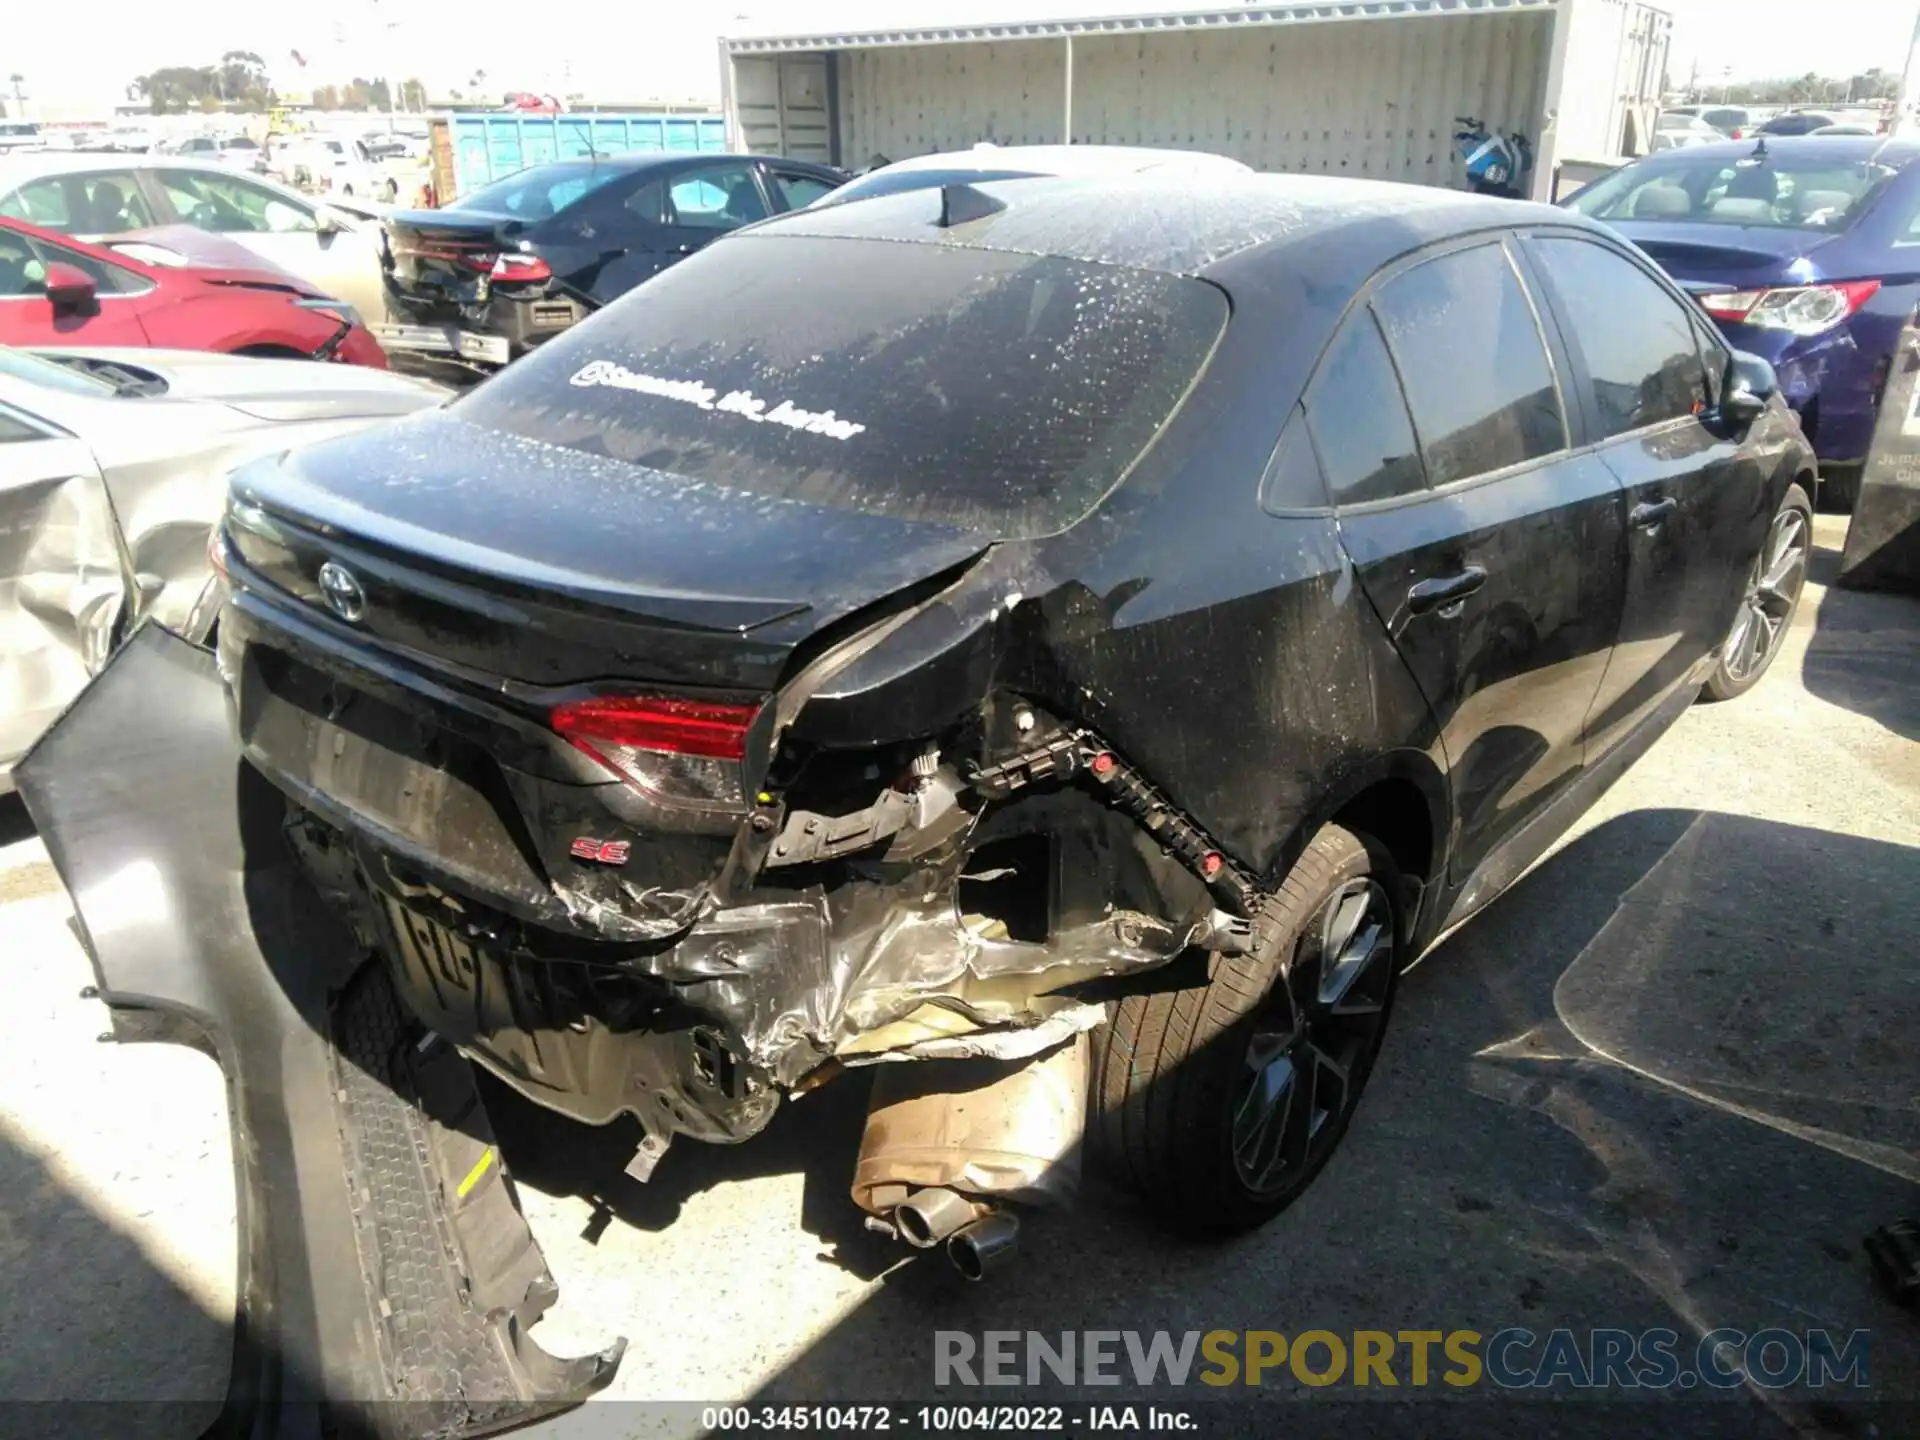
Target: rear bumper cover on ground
(387,1278)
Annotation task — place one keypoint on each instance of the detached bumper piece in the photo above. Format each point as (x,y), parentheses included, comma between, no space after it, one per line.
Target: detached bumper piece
(387,1277)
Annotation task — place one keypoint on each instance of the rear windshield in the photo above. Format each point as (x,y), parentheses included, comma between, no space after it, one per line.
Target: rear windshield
(994,391)
(539,192)
(1802,192)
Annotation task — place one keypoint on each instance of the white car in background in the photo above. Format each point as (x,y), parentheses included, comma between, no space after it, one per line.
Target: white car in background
(987,161)
(105,197)
(18,135)
(113,468)
(1677,130)
(333,167)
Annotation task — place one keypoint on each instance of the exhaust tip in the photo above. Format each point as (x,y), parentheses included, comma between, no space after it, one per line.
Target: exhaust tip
(930,1216)
(984,1246)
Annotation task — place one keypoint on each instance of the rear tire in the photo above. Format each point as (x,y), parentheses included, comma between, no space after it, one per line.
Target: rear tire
(1759,630)
(1218,1104)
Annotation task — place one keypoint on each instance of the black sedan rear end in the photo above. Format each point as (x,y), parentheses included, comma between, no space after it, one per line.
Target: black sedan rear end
(964,625)
(487,278)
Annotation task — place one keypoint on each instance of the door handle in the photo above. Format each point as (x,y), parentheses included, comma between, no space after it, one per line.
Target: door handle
(1443,591)
(1649,513)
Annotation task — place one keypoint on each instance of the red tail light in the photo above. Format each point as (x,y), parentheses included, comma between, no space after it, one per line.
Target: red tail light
(1800,309)
(515,268)
(681,752)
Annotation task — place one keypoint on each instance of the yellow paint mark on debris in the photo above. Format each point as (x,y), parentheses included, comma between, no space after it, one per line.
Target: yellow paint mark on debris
(480,1168)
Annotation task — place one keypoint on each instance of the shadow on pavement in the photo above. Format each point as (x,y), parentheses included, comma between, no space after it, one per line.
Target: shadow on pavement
(816,1136)
(1865,651)
(94,1338)
(1754,986)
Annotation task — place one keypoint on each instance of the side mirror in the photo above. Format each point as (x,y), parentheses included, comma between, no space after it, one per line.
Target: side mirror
(327,221)
(1749,384)
(71,289)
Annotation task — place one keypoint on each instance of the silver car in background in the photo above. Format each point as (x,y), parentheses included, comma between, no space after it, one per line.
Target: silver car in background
(113,467)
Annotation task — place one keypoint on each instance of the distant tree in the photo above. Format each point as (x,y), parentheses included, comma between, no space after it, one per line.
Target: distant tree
(413,95)
(326,97)
(241,79)
(358,95)
(179,89)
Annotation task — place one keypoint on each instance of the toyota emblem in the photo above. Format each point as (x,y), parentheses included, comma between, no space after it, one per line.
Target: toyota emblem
(342,592)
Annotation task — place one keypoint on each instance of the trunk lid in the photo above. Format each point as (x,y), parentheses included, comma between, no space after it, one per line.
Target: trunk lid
(1729,254)
(550,567)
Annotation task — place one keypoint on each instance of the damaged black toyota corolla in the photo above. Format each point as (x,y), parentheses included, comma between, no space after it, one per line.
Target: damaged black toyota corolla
(1065,644)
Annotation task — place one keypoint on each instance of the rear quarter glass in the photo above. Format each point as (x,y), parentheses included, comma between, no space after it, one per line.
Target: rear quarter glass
(1006,393)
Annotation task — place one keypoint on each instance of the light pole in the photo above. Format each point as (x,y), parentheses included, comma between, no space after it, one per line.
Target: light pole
(1905,121)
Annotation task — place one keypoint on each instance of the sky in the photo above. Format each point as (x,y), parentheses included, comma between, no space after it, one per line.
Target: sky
(653,49)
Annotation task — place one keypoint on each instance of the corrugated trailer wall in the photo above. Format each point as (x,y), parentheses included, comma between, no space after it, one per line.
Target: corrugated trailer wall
(1361,98)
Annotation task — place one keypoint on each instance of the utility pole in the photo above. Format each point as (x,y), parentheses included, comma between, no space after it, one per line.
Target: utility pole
(1905,120)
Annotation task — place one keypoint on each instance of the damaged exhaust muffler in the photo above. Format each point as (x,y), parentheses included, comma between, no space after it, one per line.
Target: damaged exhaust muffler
(950,1144)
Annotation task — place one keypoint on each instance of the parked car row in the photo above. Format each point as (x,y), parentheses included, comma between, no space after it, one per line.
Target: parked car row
(1792,243)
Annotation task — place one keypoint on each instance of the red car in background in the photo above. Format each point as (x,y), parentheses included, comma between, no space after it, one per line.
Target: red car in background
(55,290)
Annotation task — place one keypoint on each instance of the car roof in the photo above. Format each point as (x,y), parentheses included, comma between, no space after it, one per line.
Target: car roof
(1064,159)
(1174,224)
(636,160)
(1842,148)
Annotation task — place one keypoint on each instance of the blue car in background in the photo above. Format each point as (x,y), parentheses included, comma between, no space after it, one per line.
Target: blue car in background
(1805,250)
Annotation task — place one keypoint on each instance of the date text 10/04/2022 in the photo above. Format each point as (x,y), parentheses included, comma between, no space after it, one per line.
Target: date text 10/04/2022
(916,1419)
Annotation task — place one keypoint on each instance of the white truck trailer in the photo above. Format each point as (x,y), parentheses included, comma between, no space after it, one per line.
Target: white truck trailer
(1347,87)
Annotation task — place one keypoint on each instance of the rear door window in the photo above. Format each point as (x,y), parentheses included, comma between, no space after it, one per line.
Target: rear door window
(1641,350)
(800,190)
(1359,420)
(992,390)
(720,197)
(229,205)
(1472,363)
(45,203)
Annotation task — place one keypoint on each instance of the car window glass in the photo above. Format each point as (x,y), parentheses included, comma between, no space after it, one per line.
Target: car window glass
(1359,421)
(1293,481)
(540,191)
(40,202)
(1805,191)
(21,270)
(1472,363)
(1639,343)
(800,190)
(230,205)
(722,197)
(12,429)
(848,374)
(1714,357)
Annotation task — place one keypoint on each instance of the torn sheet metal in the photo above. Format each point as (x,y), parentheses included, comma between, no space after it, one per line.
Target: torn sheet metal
(64,584)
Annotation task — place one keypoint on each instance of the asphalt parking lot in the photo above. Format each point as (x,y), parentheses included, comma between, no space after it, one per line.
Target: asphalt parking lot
(1668,1080)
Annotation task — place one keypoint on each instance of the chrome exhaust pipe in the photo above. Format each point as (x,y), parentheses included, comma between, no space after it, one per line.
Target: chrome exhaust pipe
(929,1216)
(986,1244)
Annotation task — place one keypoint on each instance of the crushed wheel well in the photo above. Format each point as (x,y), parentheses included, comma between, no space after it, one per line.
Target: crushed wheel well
(1395,813)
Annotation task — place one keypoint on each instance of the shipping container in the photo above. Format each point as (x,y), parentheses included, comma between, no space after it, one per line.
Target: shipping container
(1355,87)
(474,149)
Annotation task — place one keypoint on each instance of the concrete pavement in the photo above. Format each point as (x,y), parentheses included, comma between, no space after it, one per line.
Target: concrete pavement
(1667,1080)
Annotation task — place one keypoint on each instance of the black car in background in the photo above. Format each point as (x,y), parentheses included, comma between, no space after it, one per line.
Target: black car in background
(1072,641)
(488,277)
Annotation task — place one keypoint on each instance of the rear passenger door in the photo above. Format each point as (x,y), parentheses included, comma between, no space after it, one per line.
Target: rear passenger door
(1694,519)
(1488,545)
